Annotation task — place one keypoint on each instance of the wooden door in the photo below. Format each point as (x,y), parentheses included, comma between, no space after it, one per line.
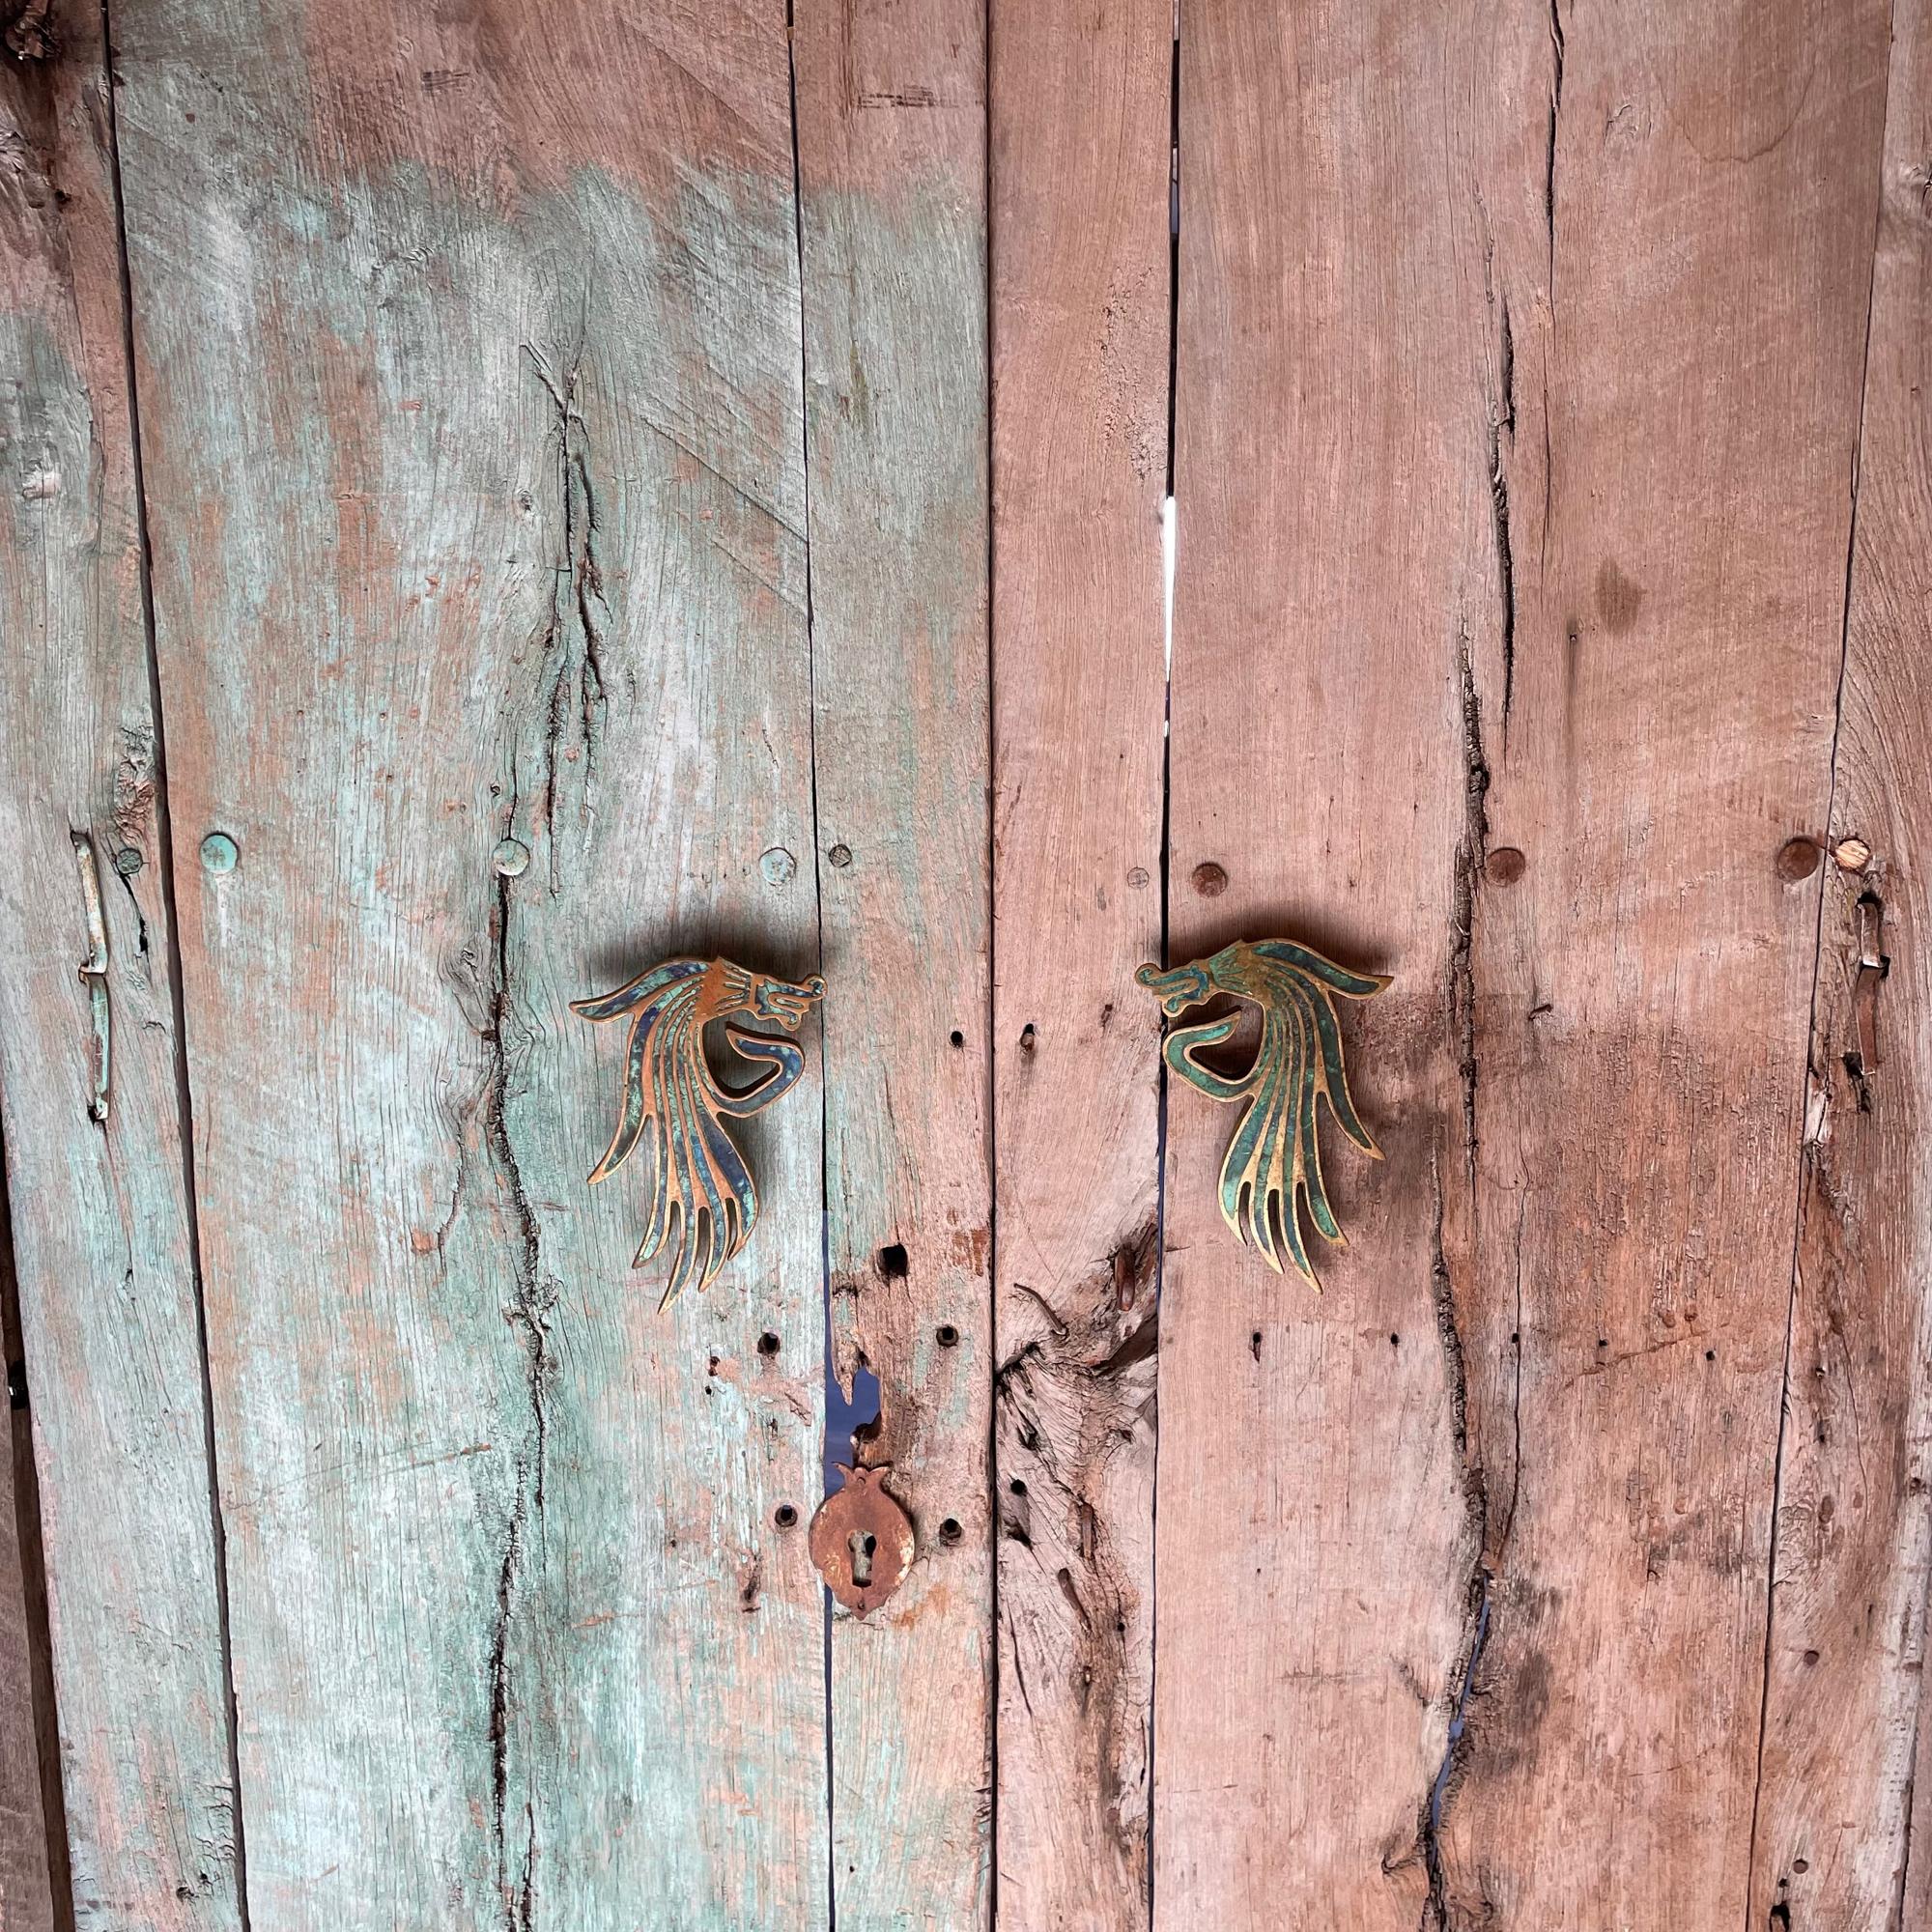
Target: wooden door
(964,501)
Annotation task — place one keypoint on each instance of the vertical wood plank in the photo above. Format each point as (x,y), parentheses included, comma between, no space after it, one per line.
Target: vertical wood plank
(891,109)
(469,356)
(1689,309)
(1081,148)
(1844,1709)
(102,1231)
(1316,1526)
(26,1886)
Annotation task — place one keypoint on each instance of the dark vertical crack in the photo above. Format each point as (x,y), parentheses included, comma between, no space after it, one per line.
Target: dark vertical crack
(534,1302)
(536,1291)
(1502,422)
(499,1689)
(574,702)
(990,1112)
(818,902)
(1806,1155)
(1550,151)
(1904,1881)
(1459,999)
(31,1546)
(164,845)
(1468,868)
(1170,560)
(1477,1600)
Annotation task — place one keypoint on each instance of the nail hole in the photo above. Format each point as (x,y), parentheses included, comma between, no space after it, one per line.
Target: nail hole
(1810,1657)
(1027,1038)
(784,1516)
(768,1344)
(1017,1487)
(958,1038)
(949,1530)
(1394,1341)
(894,1264)
(948,1336)
(1798,859)
(1709,1354)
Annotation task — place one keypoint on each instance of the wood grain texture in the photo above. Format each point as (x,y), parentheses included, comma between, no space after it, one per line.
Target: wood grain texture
(891,107)
(1519,384)
(1316,1524)
(26,1890)
(1677,419)
(1844,1710)
(102,1231)
(470,356)
(1081,141)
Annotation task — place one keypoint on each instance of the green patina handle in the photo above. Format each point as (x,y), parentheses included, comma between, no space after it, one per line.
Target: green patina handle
(1273,1164)
(702,1199)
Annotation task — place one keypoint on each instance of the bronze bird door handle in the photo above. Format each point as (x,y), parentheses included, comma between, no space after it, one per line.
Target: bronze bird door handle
(1273,1164)
(702,1201)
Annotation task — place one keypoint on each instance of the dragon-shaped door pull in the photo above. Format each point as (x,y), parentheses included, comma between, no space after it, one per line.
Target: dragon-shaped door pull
(1273,1164)
(702,1200)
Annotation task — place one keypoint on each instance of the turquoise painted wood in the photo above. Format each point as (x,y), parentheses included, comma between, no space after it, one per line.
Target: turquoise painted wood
(470,358)
(628,482)
(891,157)
(102,1233)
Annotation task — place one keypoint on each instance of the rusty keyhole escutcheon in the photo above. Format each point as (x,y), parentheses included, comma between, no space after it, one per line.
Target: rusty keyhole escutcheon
(862,1540)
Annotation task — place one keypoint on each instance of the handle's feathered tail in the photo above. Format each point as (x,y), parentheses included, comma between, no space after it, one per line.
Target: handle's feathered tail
(701,1201)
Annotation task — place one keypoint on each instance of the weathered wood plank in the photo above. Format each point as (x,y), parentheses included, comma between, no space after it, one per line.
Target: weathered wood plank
(101,1230)
(891,108)
(470,356)
(1844,1709)
(1677,418)
(1081,147)
(26,1893)
(1316,1527)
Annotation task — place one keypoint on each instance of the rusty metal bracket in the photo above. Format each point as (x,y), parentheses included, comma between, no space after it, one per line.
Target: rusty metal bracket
(862,1540)
(94,976)
(702,1200)
(1273,1164)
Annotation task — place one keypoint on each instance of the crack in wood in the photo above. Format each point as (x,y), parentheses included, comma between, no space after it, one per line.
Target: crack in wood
(1479,1590)
(531,1309)
(1550,153)
(577,599)
(1502,421)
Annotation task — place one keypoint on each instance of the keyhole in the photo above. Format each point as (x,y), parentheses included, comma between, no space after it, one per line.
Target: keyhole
(862,1543)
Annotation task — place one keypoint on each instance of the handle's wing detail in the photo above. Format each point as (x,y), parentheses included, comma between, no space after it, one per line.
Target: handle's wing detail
(702,1201)
(1273,1163)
